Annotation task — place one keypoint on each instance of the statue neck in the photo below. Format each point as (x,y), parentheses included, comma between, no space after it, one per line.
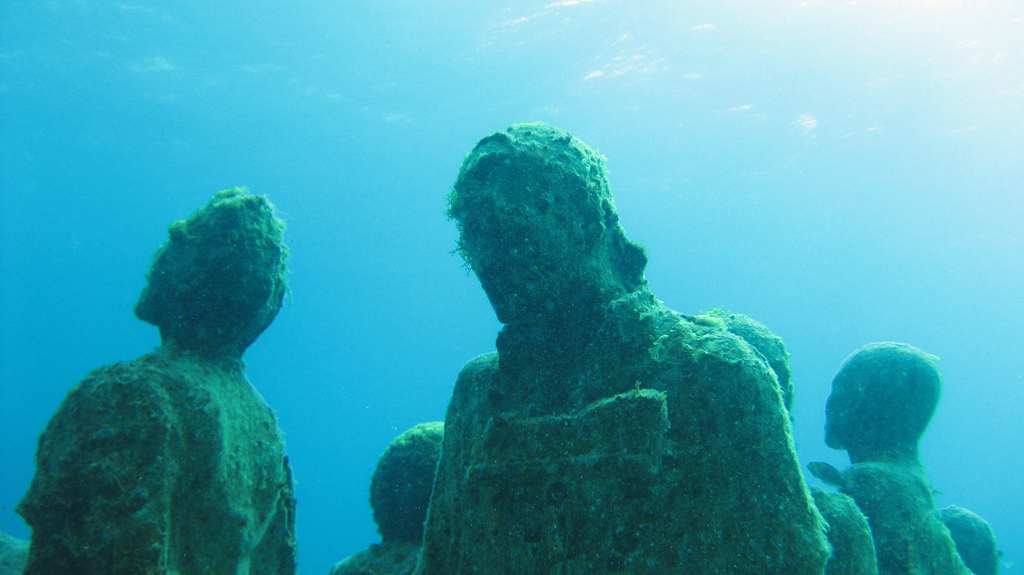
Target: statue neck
(905,455)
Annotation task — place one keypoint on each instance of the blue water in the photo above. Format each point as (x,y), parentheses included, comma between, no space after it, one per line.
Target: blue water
(842,172)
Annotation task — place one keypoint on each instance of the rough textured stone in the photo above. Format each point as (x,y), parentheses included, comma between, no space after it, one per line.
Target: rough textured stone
(975,540)
(882,400)
(608,434)
(173,463)
(909,535)
(13,554)
(763,340)
(853,550)
(220,278)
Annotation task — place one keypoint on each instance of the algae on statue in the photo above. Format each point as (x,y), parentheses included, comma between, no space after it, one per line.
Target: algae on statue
(608,433)
(173,463)
(758,336)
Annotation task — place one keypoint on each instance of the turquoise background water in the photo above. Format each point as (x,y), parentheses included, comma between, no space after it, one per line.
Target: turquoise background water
(844,172)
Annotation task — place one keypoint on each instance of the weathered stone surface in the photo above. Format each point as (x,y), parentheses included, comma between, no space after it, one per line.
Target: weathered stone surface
(763,340)
(909,534)
(173,463)
(13,554)
(853,550)
(220,278)
(608,434)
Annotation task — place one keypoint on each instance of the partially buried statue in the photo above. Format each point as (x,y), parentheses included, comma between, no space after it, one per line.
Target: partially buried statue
(173,463)
(883,397)
(608,434)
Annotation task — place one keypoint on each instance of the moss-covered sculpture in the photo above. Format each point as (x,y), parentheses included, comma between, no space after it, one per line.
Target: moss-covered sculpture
(608,434)
(763,340)
(220,279)
(883,397)
(400,487)
(173,463)
(399,494)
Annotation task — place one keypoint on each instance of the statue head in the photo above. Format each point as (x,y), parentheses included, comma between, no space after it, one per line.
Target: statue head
(883,397)
(220,278)
(538,225)
(401,485)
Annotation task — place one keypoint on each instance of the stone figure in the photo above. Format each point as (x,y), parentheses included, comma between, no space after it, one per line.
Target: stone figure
(883,397)
(173,463)
(608,434)
(399,495)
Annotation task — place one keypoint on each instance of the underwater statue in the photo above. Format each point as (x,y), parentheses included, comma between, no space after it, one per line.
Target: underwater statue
(883,397)
(608,434)
(975,539)
(399,495)
(173,463)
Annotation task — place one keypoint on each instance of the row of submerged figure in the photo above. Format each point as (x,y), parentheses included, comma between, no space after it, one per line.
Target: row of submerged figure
(607,433)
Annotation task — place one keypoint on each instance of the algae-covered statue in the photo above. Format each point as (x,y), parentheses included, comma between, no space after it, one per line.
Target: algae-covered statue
(173,463)
(399,495)
(883,397)
(608,434)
